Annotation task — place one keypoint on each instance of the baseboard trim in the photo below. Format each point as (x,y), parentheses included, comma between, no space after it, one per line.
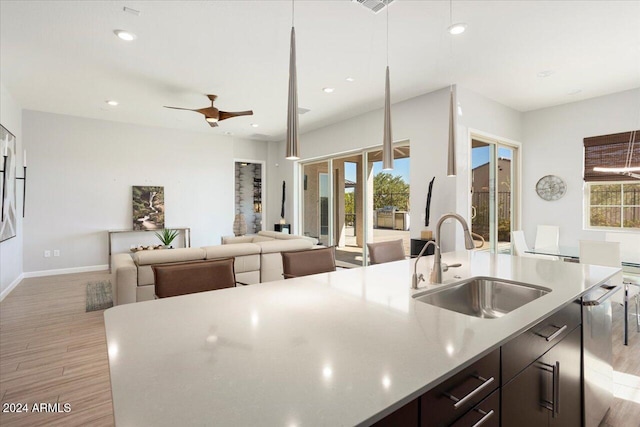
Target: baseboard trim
(60,271)
(11,286)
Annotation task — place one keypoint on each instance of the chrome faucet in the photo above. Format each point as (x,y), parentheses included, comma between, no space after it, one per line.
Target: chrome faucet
(438,266)
(417,278)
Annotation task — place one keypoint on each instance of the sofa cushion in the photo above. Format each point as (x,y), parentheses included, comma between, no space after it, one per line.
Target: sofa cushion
(236,249)
(236,239)
(284,236)
(164,256)
(284,245)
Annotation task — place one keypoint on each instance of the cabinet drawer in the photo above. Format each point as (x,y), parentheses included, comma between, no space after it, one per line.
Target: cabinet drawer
(407,416)
(521,351)
(450,400)
(485,414)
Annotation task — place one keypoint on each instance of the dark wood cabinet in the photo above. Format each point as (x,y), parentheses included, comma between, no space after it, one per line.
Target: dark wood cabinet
(521,351)
(485,413)
(407,416)
(451,399)
(548,391)
(534,380)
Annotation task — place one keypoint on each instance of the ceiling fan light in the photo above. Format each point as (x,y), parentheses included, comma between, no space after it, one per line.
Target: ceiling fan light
(457,28)
(125,35)
(211,119)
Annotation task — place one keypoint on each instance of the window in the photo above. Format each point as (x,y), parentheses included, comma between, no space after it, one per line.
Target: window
(612,200)
(614,205)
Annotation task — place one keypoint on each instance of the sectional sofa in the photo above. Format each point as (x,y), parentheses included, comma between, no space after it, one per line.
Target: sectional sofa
(257,260)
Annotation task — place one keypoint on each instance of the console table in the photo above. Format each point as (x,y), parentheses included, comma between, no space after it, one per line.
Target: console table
(418,244)
(184,231)
(283,228)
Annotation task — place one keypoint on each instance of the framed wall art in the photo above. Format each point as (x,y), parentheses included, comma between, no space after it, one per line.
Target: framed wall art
(8,218)
(148,208)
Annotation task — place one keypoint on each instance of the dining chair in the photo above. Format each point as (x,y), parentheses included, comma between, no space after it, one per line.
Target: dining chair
(176,279)
(608,254)
(520,247)
(382,252)
(547,236)
(629,247)
(308,261)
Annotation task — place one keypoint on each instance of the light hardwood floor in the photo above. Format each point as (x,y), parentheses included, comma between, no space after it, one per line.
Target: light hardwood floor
(52,351)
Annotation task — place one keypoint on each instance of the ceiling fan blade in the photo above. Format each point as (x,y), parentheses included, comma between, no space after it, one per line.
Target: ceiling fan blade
(229,114)
(213,124)
(179,108)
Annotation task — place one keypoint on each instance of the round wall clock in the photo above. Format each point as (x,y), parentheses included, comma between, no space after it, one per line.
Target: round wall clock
(551,187)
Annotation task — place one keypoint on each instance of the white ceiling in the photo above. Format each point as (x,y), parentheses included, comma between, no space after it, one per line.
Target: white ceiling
(62,56)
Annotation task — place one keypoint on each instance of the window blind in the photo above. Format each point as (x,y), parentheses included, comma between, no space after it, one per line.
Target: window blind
(609,151)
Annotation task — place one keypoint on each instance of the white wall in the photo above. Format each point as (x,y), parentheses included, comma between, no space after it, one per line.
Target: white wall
(80,177)
(424,121)
(554,145)
(11,253)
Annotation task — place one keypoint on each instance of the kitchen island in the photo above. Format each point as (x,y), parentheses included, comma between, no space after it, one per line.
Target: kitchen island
(341,348)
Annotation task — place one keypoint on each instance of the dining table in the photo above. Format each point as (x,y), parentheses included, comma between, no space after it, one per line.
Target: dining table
(629,267)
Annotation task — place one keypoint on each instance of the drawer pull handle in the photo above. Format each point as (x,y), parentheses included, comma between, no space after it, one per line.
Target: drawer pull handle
(461,402)
(554,335)
(486,416)
(554,404)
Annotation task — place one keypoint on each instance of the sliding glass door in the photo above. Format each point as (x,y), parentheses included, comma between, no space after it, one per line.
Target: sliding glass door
(493,192)
(348,201)
(316,201)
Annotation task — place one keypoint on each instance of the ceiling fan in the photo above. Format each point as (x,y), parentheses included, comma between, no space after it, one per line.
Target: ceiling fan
(212,115)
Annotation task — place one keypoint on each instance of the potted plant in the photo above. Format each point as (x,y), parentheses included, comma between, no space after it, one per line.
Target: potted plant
(166,236)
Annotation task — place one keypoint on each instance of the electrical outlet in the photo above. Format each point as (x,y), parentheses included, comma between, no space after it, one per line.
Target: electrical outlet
(47,253)
(56,252)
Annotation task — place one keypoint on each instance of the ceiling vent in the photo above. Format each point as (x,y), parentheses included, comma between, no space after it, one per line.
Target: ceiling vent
(374,5)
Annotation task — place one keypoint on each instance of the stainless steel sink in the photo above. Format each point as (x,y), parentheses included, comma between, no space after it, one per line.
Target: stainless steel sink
(483,297)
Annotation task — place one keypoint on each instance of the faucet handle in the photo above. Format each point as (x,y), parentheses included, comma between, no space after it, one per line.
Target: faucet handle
(446,267)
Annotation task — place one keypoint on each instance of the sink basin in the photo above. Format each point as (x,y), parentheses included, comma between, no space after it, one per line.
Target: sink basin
(483,297)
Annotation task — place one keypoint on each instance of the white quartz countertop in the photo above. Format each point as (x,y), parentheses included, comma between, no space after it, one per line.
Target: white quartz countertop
(335,349)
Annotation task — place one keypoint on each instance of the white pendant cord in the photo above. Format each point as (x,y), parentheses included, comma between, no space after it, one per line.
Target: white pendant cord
(387,32)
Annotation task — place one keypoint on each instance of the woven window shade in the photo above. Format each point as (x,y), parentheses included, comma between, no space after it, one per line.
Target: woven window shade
(609,151)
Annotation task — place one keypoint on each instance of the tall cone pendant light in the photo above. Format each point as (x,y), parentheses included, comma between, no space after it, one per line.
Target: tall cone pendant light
(292,110)
(451,159)
(387,141)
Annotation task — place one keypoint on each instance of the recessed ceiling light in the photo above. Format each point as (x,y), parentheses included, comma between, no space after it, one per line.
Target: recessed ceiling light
(254,125)
(457,28)
(125,35)
(328,89)
(545,73)
(575,92)
(350,79)
(112,102)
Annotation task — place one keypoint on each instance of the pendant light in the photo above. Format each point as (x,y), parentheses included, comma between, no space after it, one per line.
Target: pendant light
(451,154)
(292,110)
(451,158)
(387,141)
